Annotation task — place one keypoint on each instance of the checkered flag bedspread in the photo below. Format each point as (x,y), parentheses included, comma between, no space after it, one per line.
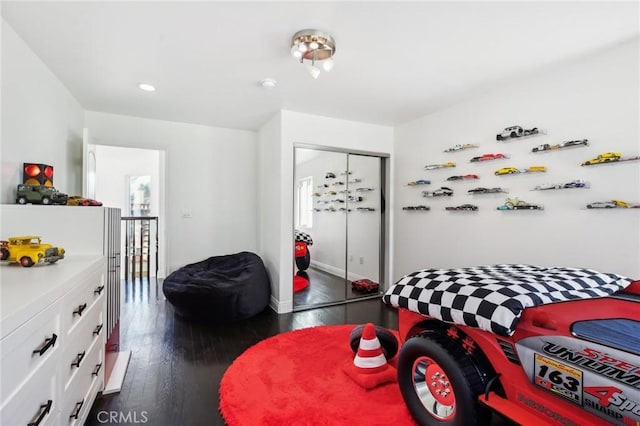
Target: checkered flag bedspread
(493,297)
(303,237)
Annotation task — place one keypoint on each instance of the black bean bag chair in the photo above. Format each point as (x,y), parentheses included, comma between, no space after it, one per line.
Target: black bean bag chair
(219,289)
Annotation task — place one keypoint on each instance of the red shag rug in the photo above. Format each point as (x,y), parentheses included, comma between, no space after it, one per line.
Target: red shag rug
(296,378)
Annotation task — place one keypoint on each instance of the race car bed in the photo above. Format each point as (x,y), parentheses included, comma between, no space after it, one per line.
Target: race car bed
(540,345)
(493,297)
(301,253)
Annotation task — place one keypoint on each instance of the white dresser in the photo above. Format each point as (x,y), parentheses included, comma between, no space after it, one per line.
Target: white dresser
(52,340)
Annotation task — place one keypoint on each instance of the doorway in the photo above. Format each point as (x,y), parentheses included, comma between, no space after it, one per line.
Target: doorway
(131,179)
(339,204)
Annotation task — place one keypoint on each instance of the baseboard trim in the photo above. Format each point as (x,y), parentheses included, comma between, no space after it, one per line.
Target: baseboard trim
(116,379)
(336,271)
(280,307)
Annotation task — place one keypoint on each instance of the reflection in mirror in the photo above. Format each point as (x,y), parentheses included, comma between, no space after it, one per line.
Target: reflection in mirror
(320,204)
(363,226)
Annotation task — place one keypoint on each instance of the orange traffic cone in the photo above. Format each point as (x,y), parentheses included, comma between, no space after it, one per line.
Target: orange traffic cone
(369,368)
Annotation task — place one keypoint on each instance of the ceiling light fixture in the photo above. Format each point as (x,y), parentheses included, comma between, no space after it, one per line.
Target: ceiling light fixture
(268,83)
(314,46)
(147,87)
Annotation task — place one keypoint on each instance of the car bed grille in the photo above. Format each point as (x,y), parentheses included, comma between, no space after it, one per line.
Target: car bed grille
(509,351)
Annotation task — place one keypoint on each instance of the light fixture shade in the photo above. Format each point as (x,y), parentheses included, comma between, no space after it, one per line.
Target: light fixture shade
(315,46)
(313,71)
(327,65)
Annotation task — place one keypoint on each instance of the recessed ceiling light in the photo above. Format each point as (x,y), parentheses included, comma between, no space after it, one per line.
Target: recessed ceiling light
(268,83)
(147,87)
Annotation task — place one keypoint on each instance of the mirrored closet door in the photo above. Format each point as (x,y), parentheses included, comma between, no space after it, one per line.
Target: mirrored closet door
(338,214)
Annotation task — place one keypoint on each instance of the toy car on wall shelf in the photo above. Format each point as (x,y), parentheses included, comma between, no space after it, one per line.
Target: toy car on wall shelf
(462,207)
(39,194)
(330,175)
(515,204)
(578,183)
(514,170)
(356,180)
(568,144)
(506,171)
(613,204)
(419,208)
(461,147)
(29,250)
(486,190)
(462,177)
(355,199)
(486,157)
(82,201)
(609,157)
(365,285)
(365,209)
(419,182)
(442,192)
(439,166)
(516,132)
(364,189)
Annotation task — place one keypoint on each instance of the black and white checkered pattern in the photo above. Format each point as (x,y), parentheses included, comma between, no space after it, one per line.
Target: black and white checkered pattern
(493,297)
(303,237)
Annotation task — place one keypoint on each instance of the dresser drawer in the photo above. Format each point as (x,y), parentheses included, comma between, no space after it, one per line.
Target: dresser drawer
(37,399)
(28,347)
(88,332)
(79,301)
(83,388)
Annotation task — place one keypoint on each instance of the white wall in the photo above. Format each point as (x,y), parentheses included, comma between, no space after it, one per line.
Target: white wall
(210,171)
(270,207)
(299,128)
(596,98)
(41,121)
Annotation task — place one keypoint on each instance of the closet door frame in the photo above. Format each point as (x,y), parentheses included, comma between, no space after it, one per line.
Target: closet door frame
(384,255)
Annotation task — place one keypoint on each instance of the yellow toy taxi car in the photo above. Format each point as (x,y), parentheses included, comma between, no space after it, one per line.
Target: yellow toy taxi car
(534,169)
(607,157)
(29,250)
(622,204)
(506,171)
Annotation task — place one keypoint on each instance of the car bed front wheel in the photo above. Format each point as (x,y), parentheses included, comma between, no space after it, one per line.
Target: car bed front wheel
(439,383)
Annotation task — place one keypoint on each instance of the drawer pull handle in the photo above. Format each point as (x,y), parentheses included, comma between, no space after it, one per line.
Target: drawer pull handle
(43,411)
(78,359)
(97,329)
(76,411)
(48,342)
(80,309)
(96,370)
(98,290)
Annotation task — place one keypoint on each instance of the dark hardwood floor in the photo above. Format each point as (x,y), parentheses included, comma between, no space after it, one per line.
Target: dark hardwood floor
(176,366)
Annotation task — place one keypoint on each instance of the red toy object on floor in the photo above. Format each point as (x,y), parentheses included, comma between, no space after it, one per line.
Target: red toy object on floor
(365,285)
(369,368)
(299,283)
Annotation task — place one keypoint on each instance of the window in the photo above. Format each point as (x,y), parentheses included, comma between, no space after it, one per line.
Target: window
(304,209)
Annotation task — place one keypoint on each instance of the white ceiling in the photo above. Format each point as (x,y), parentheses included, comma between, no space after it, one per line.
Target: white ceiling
(395,61)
